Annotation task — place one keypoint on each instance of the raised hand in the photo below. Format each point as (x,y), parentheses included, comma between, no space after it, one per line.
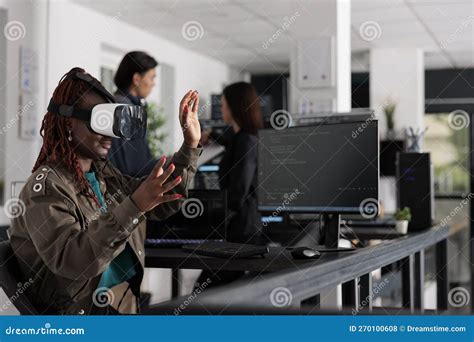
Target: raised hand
(188,118)
(152,191)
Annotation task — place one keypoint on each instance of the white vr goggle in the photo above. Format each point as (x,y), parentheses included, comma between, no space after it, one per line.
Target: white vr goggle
(116,120)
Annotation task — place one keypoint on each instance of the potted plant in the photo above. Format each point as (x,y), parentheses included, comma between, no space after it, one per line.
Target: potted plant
(403,217)
(155,130)
(389,110)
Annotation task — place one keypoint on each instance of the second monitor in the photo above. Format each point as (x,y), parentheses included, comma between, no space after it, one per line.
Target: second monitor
(324,168)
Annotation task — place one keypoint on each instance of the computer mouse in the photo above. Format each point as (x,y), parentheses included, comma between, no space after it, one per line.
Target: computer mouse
(305,253)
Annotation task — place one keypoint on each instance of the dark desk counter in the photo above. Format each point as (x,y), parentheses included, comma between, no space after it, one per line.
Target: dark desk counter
(277,259)
(306,278)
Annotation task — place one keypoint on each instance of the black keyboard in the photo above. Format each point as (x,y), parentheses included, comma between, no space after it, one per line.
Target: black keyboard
(227,250)
(174,242)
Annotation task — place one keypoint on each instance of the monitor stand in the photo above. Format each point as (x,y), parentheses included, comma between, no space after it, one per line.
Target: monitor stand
(331,224)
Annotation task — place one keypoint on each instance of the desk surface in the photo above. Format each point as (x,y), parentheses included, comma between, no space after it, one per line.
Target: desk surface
(277,259)
(309,277)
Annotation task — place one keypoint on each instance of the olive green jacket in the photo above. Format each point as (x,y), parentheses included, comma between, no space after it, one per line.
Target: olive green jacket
(64,242)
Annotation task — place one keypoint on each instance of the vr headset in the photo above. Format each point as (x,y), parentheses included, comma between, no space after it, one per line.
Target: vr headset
(116,120)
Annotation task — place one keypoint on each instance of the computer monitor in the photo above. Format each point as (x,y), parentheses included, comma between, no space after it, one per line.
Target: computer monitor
(216,113)
(322,168)
(328,168)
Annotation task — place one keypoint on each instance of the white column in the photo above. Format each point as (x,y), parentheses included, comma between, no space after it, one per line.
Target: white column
(399,74)
(322,21)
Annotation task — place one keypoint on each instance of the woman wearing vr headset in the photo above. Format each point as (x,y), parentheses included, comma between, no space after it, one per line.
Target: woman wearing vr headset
(80,241)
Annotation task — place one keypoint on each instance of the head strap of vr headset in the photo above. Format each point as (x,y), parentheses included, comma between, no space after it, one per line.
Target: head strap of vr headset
(78,113)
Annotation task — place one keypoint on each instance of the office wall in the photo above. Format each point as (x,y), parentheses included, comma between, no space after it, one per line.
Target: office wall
(77,36)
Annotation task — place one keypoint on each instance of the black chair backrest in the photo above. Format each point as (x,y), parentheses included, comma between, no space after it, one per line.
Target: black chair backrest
(14,289)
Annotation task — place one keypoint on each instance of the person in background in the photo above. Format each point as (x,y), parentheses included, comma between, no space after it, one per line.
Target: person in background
(238,172)
(135,79)
(238,168)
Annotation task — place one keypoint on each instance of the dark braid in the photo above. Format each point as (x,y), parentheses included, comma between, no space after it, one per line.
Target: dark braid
(54,130)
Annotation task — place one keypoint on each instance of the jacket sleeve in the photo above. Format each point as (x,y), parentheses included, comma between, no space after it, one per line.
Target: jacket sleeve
(66,245)
(241,173)
(185,161)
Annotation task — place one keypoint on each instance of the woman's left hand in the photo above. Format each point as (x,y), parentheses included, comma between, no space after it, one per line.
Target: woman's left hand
(188,118)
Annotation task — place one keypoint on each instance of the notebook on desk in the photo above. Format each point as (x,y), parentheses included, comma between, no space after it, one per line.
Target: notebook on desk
(202,218)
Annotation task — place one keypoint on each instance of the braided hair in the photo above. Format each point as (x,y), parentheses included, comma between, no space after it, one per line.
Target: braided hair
(56,147)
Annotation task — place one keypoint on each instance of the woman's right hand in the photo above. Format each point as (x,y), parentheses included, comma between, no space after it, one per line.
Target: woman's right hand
(152,191)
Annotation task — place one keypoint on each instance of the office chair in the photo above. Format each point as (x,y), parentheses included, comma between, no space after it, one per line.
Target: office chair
(9,283)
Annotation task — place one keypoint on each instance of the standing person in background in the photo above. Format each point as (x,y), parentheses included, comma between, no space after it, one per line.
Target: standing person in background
(135,79)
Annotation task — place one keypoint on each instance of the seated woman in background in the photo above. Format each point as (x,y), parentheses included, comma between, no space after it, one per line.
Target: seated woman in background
(238,169)
(80,239)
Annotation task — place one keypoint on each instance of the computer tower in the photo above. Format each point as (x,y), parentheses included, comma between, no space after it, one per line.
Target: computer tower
(416,188)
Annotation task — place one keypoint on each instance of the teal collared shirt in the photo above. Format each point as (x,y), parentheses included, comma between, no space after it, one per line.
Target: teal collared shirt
(122,267)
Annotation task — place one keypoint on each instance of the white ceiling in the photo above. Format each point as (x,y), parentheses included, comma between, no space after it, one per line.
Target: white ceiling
(234,30)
